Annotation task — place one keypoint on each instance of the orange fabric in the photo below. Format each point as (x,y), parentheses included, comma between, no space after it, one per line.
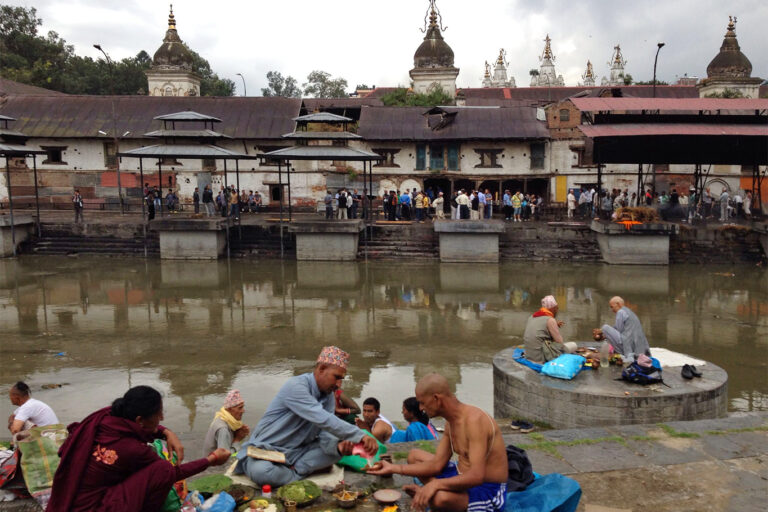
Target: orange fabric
(543,312)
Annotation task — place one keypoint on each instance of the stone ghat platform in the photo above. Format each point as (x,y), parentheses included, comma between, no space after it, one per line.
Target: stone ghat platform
(595,398)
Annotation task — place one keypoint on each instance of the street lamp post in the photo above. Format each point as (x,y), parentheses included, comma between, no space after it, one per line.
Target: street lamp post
(245,91)
(114,125)
(660,45)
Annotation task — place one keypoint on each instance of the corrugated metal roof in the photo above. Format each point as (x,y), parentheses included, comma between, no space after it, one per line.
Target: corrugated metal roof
(322,117)
(6,118)
(322,135)
(409,123)
(668,104)
(323,153)
(187,134)
(188,115)
(12,133)
(17,150)
(67,116)
(658,129)
(550,94)
(185,151)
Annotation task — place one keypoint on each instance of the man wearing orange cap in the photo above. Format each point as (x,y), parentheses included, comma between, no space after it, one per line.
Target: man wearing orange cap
(300,423)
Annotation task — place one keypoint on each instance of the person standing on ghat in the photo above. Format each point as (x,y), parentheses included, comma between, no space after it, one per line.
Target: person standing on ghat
(77,203)
(208,201)
(463,201)
(439,204)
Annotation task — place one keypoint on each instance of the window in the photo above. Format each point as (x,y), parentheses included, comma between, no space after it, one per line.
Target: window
(54,154)
(209,164)
(168,92)
(661,167)
(421,157)
(436,157)
(110,158)
(443,157)
(488,157)
(389,157)
(537,155)
(565,115)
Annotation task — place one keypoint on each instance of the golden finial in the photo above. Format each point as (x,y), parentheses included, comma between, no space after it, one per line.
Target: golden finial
(433,13)
(548,49)
(487,70)
(171,20)
(502,55)
(731,24)
(590,71)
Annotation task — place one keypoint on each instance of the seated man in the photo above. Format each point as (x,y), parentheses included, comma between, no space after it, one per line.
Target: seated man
(627,337)
(227,427)
(300,423)
(374,422)
(30,412)
(479,483)
(542,338)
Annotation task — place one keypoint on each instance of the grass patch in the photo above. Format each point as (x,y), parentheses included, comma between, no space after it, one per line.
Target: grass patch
(399,455)
(763,428)
(551,447)
(643,438)
(671,432)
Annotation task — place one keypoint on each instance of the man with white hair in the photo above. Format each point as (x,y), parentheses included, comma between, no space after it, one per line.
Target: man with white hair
(542,338)
(627,337)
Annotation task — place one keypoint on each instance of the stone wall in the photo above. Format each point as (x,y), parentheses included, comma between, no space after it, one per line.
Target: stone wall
(721,245)
(572,242)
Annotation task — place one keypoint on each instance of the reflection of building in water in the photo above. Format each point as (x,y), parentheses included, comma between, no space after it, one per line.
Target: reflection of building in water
(424,317)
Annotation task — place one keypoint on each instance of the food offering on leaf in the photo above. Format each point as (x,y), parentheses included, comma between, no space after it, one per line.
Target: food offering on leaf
(303,492)
(373,467)
(346,499)
(391,508)
(617,360)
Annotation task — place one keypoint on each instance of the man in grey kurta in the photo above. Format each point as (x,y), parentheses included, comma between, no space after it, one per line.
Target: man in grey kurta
(300,423)
(627,336)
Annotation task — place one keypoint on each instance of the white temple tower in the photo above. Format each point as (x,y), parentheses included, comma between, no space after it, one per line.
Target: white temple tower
(617,64)
(547,76)
(433,61)
(171,73)
(588,78)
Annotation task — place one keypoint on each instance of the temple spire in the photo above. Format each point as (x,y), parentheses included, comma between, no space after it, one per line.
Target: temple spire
(589,75)
(435,18)
(548,49)
(171,20)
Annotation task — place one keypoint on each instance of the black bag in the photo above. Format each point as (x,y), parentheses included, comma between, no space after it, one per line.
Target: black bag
(641,375)
(520,469)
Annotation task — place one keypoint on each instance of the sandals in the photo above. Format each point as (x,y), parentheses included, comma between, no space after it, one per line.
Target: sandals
(689,372)
(522,426)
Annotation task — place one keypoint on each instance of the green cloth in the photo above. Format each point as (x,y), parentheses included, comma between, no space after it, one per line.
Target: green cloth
(356,462)
(40,456)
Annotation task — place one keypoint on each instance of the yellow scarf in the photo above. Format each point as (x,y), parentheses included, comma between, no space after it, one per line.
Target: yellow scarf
(230,420)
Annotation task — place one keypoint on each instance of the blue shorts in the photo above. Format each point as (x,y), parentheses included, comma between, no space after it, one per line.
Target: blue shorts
(487,497)
(518,210)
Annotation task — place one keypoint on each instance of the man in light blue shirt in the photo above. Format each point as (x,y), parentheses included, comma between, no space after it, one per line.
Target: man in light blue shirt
(300,423)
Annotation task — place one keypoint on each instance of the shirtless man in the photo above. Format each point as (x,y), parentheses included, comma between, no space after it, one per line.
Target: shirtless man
(479,483)
(374,422)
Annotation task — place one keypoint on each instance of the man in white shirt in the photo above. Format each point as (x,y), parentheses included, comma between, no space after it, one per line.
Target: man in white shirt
(571,203)
(30,412)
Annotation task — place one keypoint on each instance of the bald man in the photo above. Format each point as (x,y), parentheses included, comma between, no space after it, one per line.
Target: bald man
(479,482)
(626,337)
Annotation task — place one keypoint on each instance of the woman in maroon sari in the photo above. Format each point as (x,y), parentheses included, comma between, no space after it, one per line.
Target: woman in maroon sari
(106,464)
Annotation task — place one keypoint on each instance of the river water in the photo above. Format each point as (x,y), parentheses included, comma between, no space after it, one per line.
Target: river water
(195,330)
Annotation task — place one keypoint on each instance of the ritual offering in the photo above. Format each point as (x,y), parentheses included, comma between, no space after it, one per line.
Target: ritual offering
(303,492)
(346,499)
(387,496)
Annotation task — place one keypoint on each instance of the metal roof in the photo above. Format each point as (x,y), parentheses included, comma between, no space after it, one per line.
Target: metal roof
(323,153)
(660,129)
(188,115)
(11,87)
(410,123)
(186,151)
(554,94)
(18,150)
(6,118)
(72,116)
(11,133)
(322,117)
(187,134)
(322,135)
(668,104)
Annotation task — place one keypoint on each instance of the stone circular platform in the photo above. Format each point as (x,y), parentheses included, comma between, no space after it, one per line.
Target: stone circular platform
(596,398)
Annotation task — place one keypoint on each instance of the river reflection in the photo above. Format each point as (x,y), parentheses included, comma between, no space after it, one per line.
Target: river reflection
(195,330)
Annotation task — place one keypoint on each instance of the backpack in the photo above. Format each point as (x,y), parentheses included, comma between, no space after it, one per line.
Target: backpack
(640,375)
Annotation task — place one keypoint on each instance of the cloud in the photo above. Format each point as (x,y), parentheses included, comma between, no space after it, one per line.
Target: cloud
(373,42)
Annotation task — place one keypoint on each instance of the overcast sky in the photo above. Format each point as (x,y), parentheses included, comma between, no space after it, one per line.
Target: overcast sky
(372,43)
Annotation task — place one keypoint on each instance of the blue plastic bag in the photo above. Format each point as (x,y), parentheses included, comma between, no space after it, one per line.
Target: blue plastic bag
(221,502)
(566,366)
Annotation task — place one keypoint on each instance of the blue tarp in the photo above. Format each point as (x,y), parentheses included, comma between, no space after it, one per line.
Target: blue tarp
(548,493)
(519,356)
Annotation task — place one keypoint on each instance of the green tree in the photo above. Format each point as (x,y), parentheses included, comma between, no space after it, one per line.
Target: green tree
(49,62)
(627,78)
(278,85)
(319,84)
(402,97)
(650,82)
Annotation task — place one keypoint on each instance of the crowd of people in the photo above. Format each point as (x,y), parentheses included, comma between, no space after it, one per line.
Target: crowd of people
(685,206)
(228,203)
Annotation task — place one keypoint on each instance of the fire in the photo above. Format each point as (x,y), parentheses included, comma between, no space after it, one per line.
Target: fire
(628,223)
